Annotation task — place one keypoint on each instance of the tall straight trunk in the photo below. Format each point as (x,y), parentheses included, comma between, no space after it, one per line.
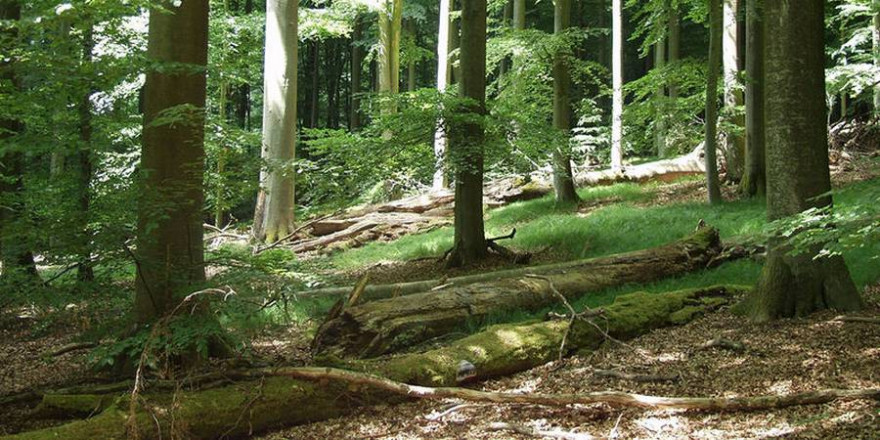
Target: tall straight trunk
(617,85)
(455,43)
(169,240)
(519,14)
(754,179)
(797,163)
(335,58)
(875,32)
(357,61)
(734,143)
(389,50)
(440,181)
(85,271)
(466,139)
(660,98)
(506,21)
(711,139)
(674,34)
(315,91)
(274,216)
(411,65)
(563,178)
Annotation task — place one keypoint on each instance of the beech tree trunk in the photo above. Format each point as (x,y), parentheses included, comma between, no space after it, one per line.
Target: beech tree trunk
(85,271)
(660,98)
(274,215)
(754,179)
(563,177)
(466,139)
(875,32)
(711,139)
(390,16)
(388,325)
(169,241)
(617,85)
(357,61)
(797,165)
(440,181)
(279,397)
(519,14)
(734,143)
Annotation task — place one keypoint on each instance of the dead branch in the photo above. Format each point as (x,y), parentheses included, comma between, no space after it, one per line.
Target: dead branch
(860,319)
(722,343)
(614,398)
(258,250)
(538,433)
(75,346)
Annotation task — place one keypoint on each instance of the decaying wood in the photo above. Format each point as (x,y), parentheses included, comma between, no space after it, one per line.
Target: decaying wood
(723,343)
(384,326)
(74,346)
(273,402)
(349,232)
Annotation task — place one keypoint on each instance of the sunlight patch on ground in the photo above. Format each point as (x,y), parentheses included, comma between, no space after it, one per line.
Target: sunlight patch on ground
(782,387)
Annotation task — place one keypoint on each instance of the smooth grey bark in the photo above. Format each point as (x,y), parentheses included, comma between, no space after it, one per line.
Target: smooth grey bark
(798,177)
(563,177)
(519,14)
(711,138)
(169,234)
(466,139)
(440,180)
(274,215)
(357,60)
(660,98)
(617,85)
(754,179)
(734,143)
(390,17)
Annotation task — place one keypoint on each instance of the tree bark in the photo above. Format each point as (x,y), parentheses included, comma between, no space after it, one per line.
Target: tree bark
(734,144)
(169,241)
(466,139)
(389,51)
(440,181)
(711,139)
(617,85)
(875,33)
(754,179)
(660,98)
(674,44)
(798,177)
(563,177)
(274,216)
(357,61)
(279,397)
(388,325)
(85,271)
(519,14)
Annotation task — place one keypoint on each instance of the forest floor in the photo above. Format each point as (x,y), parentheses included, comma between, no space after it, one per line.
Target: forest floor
(789,356)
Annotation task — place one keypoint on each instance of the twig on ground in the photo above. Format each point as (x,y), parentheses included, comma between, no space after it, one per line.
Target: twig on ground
(537,433)
(75,346)
(435,417)
(859,319)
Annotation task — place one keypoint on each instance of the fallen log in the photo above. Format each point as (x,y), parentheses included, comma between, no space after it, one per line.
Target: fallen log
(384,326)
(271,402)
(348,232)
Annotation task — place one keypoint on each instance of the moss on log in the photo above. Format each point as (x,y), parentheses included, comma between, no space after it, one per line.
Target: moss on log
(270,402)
(385,326)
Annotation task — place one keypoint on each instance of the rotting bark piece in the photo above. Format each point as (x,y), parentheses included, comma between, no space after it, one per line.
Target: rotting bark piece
(385,326)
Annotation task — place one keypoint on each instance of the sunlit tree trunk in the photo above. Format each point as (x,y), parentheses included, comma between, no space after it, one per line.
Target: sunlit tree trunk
(875,31)
(389,50)
(170,256)
(563,178)
(357,60)
(519,14)
(797,160)
(440,140)
(711,138)
(466,139)
(754,183)
(617,84)
(274,217)
(660,98)
(734,144)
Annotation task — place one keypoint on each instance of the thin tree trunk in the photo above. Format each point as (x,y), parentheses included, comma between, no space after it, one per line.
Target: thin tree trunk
(389,51)
(276,217)
(754,179)
(660,98)
(455,42)
(85,271)
(440,181)
(466,139)
(793,285)
(711,138)
(734,143)
(357,61)
(875,32)
(411,65)
(315,91)
(617,84)
(563,178)
(169,241)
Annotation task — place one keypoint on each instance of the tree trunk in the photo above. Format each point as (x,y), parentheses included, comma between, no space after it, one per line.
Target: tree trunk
(563,178)
(466,139)
(519,14)
(754,183)
(711,139)
(797,165)
(734,144)
(389,51)
(85,271)
(440,181)
(169,240)
(276,210)
(617,85)
(284,397)
(357,61)
(875,32)
(455,42)
(389,325)
(660,98)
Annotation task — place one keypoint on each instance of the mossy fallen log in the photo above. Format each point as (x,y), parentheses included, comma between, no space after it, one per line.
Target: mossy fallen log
(269,402)
(385,326)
